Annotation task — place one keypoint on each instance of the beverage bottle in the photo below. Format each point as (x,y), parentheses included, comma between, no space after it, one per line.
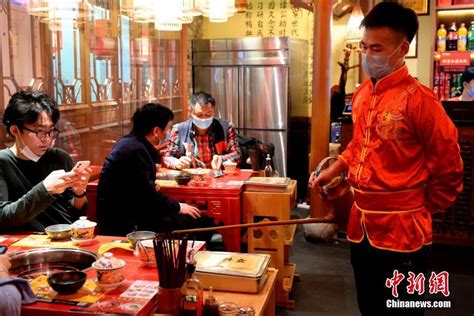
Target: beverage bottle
(452,38)
(470,37)
(268,171)
(441,39)
(462,38)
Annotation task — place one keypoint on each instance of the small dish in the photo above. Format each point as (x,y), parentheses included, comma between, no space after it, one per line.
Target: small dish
(135,236)
(82,242)
(183,179)
(109,287)
(59,231)
(67,282)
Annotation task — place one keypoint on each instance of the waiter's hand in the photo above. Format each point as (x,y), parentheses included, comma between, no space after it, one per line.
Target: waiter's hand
(182,163)
(187,209)
(325,176)
(216,162)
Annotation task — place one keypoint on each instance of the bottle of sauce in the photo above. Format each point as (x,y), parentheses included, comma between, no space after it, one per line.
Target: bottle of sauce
(441,39)
(268,171)
(452,39)
(462,38)
(210,307)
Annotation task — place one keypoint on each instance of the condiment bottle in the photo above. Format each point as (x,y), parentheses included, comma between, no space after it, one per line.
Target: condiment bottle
(191,304)
(210,307)
(247,311)
(228,309)
(268,171)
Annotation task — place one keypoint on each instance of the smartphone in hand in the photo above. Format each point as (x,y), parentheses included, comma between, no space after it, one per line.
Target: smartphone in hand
(3,249)
(81,166)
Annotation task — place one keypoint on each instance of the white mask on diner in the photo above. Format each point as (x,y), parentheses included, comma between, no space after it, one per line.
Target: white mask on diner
(27,152)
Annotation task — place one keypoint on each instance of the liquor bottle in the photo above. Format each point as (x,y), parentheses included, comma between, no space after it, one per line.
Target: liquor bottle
(268,171)
(462,38)
(452,38)
(441,39)
(470,37)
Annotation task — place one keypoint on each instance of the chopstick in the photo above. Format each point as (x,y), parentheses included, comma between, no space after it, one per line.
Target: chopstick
(170,256)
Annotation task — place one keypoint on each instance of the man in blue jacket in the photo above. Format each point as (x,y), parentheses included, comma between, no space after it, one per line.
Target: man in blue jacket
(127,199)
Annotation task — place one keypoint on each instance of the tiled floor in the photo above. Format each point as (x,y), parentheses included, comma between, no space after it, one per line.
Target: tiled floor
(326,286)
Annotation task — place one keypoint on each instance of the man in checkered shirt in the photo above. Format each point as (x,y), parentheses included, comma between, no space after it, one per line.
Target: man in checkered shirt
(202,141)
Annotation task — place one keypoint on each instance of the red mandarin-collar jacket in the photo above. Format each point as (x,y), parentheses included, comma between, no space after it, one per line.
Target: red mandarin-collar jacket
(403,162)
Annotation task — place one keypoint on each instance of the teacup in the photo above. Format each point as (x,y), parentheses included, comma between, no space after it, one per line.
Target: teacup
(230,166)
(109,269)
(145,251)
(83,229)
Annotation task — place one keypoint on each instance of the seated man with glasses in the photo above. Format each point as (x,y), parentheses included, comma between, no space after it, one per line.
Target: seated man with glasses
(37,186)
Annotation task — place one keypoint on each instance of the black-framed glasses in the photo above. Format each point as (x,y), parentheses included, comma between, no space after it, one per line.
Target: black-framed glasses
(53,133)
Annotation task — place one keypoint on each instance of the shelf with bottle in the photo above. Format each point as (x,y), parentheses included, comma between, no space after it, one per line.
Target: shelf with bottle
(455,39)
(454,4)
(454,48)
(448,67)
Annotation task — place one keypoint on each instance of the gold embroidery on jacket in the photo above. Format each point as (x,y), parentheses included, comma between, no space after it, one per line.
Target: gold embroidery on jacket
(389,123)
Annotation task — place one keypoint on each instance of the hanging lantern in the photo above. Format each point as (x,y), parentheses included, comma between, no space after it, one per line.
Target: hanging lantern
(218,11)
(188,11)
(59,14)
(231,10)
(168,15)
(143,11)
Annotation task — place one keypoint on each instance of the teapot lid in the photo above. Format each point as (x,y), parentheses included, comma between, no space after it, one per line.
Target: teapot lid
(83,222)
(108,261)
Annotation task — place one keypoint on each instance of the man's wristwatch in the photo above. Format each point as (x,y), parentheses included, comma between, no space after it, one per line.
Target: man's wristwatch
(83,194)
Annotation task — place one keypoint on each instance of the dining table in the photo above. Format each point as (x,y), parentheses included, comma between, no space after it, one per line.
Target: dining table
(217,197)
(139,277)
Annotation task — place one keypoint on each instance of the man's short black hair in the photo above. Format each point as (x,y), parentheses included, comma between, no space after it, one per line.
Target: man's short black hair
(201,98)
(395,16)
(149,116)
(25,107)
(467,75)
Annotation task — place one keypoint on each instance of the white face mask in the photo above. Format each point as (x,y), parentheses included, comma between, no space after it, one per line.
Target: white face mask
(28,153)
(379,66)
(202,123)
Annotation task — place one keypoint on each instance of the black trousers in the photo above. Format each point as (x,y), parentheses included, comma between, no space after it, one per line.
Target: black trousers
(372,267)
